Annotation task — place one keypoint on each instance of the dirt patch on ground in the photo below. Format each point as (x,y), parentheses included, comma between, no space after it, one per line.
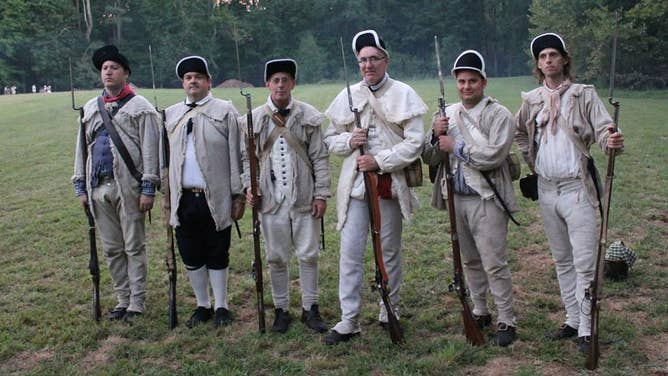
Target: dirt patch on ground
(26,361)
(234,83)
(556,370)
(656,349)
(508,366)
(103,355)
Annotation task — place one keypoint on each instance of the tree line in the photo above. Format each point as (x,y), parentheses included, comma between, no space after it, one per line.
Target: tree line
(37,38)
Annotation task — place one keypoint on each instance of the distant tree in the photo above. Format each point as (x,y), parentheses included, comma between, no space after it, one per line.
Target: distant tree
(310,59)
(644,53)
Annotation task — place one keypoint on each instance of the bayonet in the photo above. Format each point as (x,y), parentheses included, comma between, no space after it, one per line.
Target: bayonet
(593,293)
(93,263)
(253,167)
(458,285)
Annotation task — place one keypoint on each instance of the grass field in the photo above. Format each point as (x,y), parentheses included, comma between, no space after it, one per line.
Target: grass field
(45,289)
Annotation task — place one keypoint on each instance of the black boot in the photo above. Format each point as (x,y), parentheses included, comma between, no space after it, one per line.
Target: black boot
(313,320)
(282,321)
(199,316)
(334,337)
(482,321)
(505,335)
(117,314)
(222,317)
(584,343)
(564,331)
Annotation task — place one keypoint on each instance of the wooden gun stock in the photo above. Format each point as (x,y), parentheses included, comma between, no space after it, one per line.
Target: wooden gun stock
(471,330)
(382,279)
(371,186)
(93,263)
(94,266)
(257,255)
(593,293)
(170,258)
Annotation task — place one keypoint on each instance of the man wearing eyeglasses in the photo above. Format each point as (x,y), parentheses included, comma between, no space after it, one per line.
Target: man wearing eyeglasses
(391,135)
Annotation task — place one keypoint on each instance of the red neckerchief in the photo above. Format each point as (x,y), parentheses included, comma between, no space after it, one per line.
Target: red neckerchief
(127,90)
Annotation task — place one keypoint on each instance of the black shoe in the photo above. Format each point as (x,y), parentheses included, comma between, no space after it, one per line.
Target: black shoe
(131,315)
(505,335)
(282,321)
(334,337)
(117,314)
(313,320)
(564,331)
(483,321)
(199,316)
(584,343)
(222,317)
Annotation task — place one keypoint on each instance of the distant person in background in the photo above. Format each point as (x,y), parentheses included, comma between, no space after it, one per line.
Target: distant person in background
(556,126)
(34,89)
(6,90)
(205,187)
(294,182)
(477,133)
(391,134)
(119,191)
(12,90)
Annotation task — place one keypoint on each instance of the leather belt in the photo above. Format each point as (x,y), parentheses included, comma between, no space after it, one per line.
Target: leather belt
(192,190)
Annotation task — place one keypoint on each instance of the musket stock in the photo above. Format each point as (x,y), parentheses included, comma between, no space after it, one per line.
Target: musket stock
(371,186)
(170,258)
(593,293)
(471,330)
(93,263)
(253,164)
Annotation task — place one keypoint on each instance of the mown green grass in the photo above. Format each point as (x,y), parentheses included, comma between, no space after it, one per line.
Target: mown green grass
(45,289)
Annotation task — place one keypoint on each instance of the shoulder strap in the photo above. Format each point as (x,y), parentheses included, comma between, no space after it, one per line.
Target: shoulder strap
(187,116)
(378,108)
(281,130)
(469,138)
(118,143)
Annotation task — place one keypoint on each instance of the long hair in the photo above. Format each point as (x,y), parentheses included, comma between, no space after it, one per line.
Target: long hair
(567,71)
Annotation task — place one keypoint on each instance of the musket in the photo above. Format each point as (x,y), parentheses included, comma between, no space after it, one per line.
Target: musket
(170,259)
(322,233)
(93,264)
(593,293)
(458,285)
(253,164)
(371,186)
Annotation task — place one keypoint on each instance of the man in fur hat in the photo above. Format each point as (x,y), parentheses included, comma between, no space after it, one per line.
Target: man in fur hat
(477,133)
(205,186)
(391,135)
(556,125)
(118,179)
(294,184)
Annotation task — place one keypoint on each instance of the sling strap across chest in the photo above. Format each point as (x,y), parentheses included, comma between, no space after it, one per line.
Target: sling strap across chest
(279,130)
(469,139)
(191,113)
(116,138)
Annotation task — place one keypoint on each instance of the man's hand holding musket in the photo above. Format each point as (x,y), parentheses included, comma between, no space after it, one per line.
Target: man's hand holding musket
(555,136)
(391,141)
(293,185)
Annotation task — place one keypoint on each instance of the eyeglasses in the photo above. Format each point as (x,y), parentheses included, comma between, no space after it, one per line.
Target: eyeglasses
(371,59)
